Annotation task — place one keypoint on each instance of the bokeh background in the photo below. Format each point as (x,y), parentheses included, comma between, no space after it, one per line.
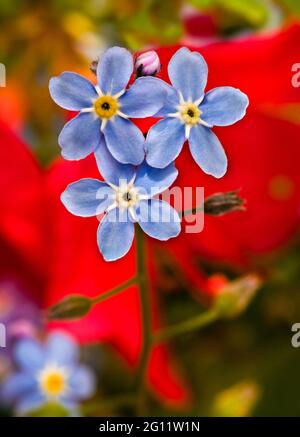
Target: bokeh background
(244,365)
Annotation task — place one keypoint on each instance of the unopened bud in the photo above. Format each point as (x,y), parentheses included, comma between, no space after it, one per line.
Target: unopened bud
(223,203)
(72,307)
(147,64)
(93,67)
(238,400)
(235,297)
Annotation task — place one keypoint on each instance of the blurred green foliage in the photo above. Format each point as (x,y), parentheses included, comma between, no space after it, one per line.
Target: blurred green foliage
(50,410)
(238,14)
(291,6)
(242,12)
(255,347)
(246,366)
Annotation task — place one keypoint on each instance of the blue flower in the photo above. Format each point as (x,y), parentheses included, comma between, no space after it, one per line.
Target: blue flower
(126,198)
(47,373)
(105,109)
(189,114)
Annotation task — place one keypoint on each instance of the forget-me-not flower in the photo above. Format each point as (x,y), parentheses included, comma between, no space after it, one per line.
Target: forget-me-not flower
(189,114)
(105,109)
(48,373)
(126,197)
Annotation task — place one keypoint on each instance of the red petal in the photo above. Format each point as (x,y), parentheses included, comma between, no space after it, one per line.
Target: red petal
(22,215)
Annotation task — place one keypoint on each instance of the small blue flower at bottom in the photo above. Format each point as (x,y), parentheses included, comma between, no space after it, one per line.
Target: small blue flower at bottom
(189,114)
(48,373)
(126,198)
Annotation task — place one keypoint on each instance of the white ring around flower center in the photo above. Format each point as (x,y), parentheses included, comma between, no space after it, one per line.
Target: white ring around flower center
(106,106)
(189,113)
(53,380)
(126,196)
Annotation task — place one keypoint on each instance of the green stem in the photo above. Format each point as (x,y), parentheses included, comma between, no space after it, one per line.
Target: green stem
(191,211)
(146,315)
(114,291)
(193,324)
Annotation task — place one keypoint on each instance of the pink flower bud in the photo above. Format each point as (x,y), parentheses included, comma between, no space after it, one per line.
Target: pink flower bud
(147,64)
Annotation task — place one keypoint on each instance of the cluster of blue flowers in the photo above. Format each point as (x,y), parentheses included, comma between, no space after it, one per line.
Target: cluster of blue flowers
(136,169)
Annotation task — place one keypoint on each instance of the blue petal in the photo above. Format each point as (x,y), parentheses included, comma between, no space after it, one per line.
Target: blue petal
(171,102)
(115,235)
(29,355)
(82,383)
(80,136)
(124,141)
(188,73)
(155,180)
(30,402)
(224,106)
(207,151)
(87,197)
(114,70)
(17,385)
(164,142)
(110,169)
(158,219)
(72,91)
(144,98)
(62,350)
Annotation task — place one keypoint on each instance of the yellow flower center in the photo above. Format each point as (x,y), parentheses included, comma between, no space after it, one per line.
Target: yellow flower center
(53,381)
(190,113)
(106,106)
